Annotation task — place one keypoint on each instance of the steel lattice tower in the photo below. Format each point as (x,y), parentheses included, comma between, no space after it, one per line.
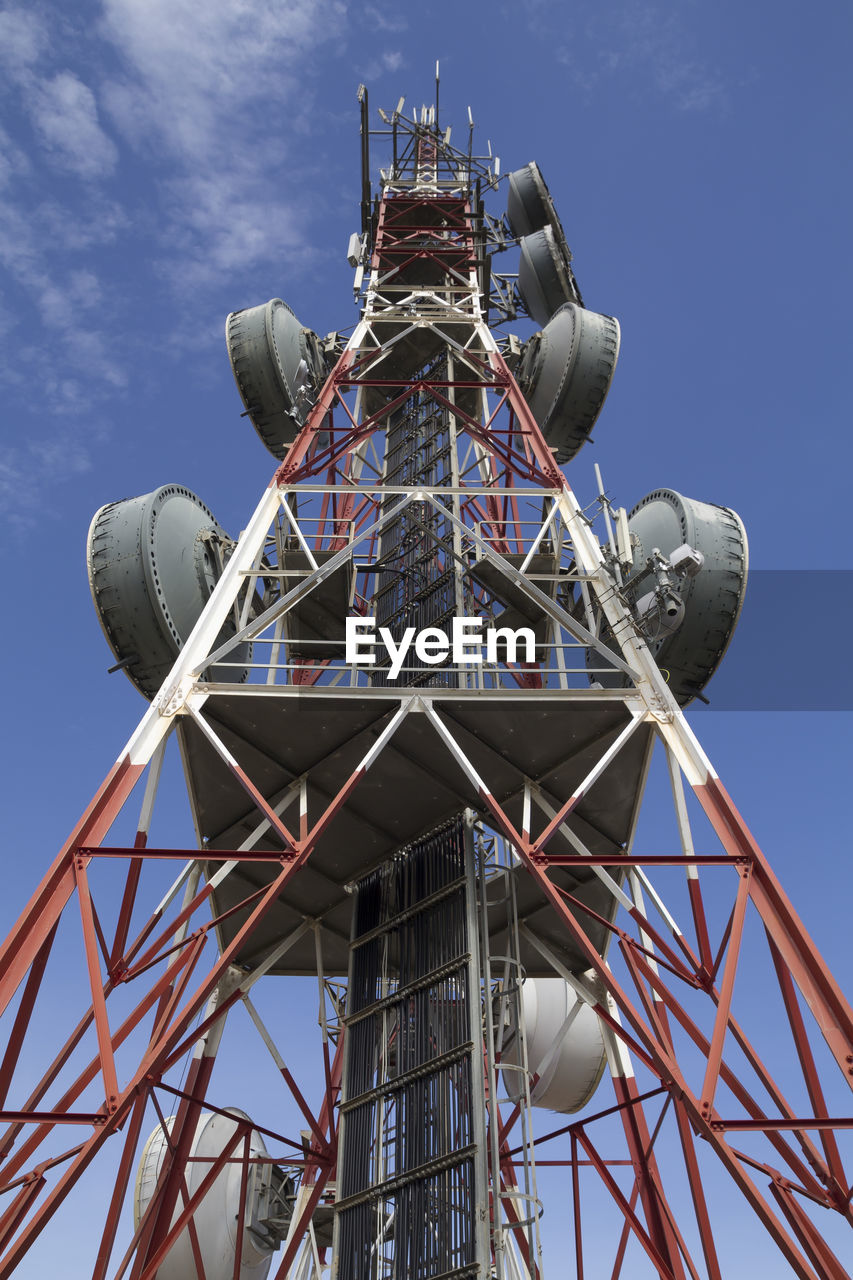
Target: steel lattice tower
(419,488)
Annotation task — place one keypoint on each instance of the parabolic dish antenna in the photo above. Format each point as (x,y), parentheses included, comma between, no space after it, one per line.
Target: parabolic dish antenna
(568,1061)
(153,562)
(565,374)
(545,279)
(216,1217)
(279,369)
(529,206)
(712,599)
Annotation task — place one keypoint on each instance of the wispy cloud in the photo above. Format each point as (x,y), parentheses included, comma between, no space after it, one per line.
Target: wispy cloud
(23,38)
(389,60)
(60,106)
(13,161)
(648,41)
(65,116)
(26,469)
(67,295)
(193,68)
(166,132)
(385,19)
(47,227)
(219,90)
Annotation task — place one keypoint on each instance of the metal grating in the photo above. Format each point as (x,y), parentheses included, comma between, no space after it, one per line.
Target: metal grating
(411,1188)
(418,581)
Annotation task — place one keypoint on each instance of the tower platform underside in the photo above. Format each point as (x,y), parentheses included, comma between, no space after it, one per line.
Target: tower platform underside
(414,785)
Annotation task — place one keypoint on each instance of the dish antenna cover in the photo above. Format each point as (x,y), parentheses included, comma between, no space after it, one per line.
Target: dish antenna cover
(153,562)
(279,369)
(216,1217)
(529,206)
(713,598)
(565,374)
(569,1066)
(545,279)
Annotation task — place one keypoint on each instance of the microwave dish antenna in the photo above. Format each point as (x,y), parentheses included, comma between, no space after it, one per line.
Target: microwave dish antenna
(153,562)
(545,278)
(707,601)
(278,366)
(529,206)
(264,1207)
(561,1041)
(565,373)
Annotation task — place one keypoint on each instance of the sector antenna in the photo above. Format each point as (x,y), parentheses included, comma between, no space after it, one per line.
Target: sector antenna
(415,707)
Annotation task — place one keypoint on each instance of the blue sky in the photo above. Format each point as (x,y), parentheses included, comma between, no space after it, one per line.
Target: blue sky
(163,163)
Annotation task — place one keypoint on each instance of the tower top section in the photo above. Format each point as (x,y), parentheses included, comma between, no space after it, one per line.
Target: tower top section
(423,159)
(421,163)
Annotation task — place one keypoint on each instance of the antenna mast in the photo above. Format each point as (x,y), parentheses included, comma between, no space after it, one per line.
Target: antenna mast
(416,706)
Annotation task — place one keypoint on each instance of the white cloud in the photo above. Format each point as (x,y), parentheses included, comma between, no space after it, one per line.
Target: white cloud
(90,352)
(13,161)
(646,40)
(84,288)
(20,252)
(8,319)
(61,106)
(61,305)
(65,115)
(68,298)
(385,19)
(195,65)
(218,89)
(94,222)
(62,451)
(12,477)
(228,221)
(26,470)
(390,60)
(216,99)
(209,92)
(23,38)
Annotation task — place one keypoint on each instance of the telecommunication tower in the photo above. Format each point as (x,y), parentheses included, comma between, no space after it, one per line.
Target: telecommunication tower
(416,704)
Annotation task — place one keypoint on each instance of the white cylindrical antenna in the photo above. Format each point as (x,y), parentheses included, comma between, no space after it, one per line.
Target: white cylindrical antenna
(399,108)
(447,136)
(605,507)
(623,539)
(384,115)
(470,118)
(497,166)
(489,146)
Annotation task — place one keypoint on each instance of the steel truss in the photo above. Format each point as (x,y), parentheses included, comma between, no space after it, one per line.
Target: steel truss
(505,522)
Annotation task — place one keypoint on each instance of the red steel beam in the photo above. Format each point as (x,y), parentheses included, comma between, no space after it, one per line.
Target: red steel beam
(39,917)
(24,1013)
(830,1008)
